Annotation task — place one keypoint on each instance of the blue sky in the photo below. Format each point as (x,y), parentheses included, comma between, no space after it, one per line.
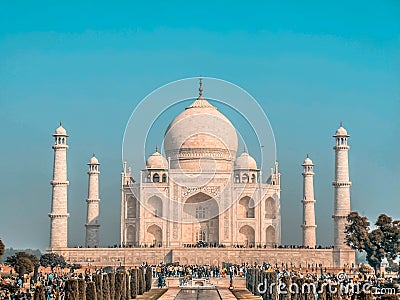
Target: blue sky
(309,64)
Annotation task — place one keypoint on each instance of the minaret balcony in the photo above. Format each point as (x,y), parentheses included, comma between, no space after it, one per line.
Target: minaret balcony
(341,147)
(58,216)
(54,182)
(341,183)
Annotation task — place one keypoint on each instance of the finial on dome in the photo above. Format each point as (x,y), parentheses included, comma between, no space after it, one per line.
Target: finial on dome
(200,86)
(244,149)
(94,155)
(60,123)
(307,156)
(156,148)
(341,124)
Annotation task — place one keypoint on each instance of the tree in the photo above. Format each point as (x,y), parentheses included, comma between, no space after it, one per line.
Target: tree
(23,266)
(390,241)
(52,260)
(381,242)
(2,248)
(19,260)
(357,231)
(73,267)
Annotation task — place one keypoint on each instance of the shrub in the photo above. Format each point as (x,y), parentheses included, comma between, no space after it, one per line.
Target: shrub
(111,281)
(71,289)
(141,283)
(149,278)
(91,291)
(119,286)
(134,283)
(106,288)
(127,286)
(98,282)
(82,289)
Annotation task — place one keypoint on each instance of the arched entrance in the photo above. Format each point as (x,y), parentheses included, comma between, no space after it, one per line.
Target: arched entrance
(155,206)
(270,209)
(131,207)
(246,208)
(270,236)
(154,235)
(246,236)
(130,235)
(200,221)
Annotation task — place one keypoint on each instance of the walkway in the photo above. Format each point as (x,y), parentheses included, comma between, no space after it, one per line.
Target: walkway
(244,294)
(153,294)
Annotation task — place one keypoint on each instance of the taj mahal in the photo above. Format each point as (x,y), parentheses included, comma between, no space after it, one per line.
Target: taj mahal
(202,202)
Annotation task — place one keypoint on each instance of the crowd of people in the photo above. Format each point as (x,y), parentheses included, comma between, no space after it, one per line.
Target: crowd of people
(14,287)
(215,245)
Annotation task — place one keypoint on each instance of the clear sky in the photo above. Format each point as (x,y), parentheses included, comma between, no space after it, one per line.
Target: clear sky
(309,64)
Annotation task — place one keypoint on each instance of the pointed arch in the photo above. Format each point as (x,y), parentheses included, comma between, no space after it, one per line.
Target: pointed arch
(270,236)
(201,218)
(130,235)
(154,235)
(246,236)
(245,178)
(270,208)
(131,207)
(156,177)
(253,178)
(155,206)
(246,208)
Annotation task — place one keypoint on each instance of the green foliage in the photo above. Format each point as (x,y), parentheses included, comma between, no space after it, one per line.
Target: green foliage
(39,293)
(91,291)
(148,278)
(10,252)
(99,286)
(82,289)
(23,266)
(141,283)
(2,248)
(134,283)
(127,287)
(383,241)
(111,280)
(119,285)
(52,260)
(13,261)
(106,287)
(71,289)
(73,267)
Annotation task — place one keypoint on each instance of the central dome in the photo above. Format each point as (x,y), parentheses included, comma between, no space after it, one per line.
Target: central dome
(201,138)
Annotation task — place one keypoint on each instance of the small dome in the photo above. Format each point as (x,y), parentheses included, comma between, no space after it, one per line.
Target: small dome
(308,162)
(245,162)
(60,130)
(94,161)
(341,131)
(157,161)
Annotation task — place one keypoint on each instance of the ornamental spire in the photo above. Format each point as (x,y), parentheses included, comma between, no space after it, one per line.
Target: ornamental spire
(200,87)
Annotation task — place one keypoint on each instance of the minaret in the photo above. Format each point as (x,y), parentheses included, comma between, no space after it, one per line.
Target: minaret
(92,220)
(59,214)
(341,187)
(309,227)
